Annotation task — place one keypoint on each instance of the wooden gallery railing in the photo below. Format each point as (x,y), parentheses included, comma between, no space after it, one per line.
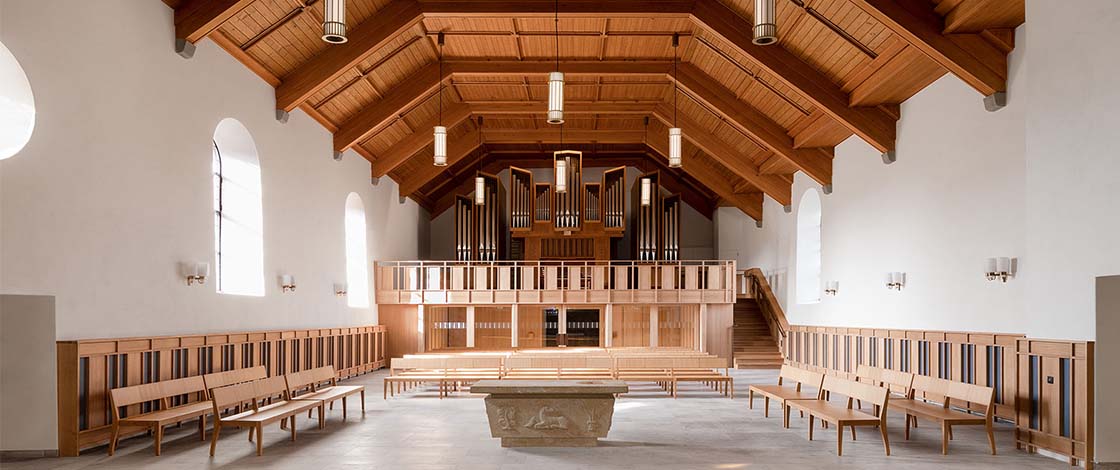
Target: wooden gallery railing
(89,368)
(752,283)
(1044,386)
(555,282)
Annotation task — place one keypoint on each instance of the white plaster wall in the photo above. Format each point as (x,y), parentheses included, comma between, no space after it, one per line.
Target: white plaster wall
(114,188)
(954,197)
(1072,163)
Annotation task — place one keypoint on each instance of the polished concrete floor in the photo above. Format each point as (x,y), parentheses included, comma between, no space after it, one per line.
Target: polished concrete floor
(698,430)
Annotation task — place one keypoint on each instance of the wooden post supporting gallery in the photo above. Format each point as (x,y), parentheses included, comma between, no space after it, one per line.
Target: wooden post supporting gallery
(562,326)
(470,326)
(513,332)
(702,329)
(653,326)
(608,326)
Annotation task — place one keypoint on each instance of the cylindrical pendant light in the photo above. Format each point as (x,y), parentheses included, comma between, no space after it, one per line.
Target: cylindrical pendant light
(674,147)
(479,190)
(439,135)
(334,21)
(561,170)
(765,30)
(439,141)
(647,192)
(556,98)
(556,80)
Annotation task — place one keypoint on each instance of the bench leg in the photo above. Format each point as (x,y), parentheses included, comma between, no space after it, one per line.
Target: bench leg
(260,439)
(158,437)
(363,397)
(841,429)
(202,428)
(322,417)
(950,433)
(886,440)
(113,440)
(991,437)
(810,426)
(785,415)
(293,426)
(344,408)
(214,435)
(750,399)
(766,407)
(907,432)
(945,438)
(839,440)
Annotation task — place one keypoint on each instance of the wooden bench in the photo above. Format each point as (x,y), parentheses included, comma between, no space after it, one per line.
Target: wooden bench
(166,414)
(321,384)
(782,392)
(843,416)
(722,383)
(259,415)
(230,377)
(962,393)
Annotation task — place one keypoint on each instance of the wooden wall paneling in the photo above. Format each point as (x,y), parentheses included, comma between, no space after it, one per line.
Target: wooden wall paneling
(492,327)
(530,324)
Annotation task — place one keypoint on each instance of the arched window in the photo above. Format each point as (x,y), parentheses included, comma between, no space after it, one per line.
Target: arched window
(809,248)
(238,225)
(17,105)
(357,269)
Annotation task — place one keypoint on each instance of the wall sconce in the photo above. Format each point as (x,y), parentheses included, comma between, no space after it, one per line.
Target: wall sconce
(896,281)
(340,289)
(831,287)
(287,283)
(1000,268)
(195,272)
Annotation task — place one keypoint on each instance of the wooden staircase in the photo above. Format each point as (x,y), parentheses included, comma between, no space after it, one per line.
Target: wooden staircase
(752,343)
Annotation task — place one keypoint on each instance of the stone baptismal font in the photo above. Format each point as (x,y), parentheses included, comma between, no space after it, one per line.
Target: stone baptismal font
(550,413)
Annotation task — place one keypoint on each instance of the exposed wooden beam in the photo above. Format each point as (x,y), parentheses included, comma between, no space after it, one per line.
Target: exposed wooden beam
(194,19)
(457,149)
(547,8)
(817,163)
(571,67)
(726,155)
(397,100)
(552,136)
(570,107)
(968,56)
(364,39)
(453,115)
(872,124)
(713,178)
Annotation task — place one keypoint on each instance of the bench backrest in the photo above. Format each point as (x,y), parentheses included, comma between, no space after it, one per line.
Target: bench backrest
(125,396)
(800,377)
(869,375)
(897,382)
(237,394)
(867,393)
(230,377)
(310,377)
(960,391)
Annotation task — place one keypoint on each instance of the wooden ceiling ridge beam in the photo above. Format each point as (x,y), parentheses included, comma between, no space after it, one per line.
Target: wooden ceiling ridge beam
(364,39)
(873,125)
(968,56)
(816,163)
(195,19)
(750,204)
(552,135)
(727,155)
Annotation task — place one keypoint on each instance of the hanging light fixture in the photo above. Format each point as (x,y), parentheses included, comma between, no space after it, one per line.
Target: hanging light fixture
(479,181)
(560,166)
(675,132)
(765,30)
(556,81)
(334,21)
(647,192)
(439,137)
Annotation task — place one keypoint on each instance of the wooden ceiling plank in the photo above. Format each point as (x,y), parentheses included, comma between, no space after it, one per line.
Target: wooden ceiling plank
(364,40)
(452,116)
(195,19)
(815,164)
(871,124)
(569,8)
(714,180)
(726,155)
(919,25)
(414,89)
(457,149)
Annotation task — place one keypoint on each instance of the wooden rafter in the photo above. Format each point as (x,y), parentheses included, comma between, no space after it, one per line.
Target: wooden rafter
(364,39)
(968,56)
(715,147)
(457,149)
(546,8)
(195,19)
(816,162)
(873,125)
(453,115)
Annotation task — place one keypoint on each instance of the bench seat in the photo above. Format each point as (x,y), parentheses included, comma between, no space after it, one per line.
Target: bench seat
(173,414)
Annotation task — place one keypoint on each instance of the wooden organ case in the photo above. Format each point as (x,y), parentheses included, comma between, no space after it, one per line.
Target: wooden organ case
(480,230)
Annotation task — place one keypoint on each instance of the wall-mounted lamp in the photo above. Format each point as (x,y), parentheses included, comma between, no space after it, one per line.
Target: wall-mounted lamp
(1000,268)
(831,287)
(195,272)
(896,281)
(287,283)
(340,289)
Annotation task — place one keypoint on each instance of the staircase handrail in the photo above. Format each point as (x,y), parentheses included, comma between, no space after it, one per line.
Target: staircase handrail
(771,309)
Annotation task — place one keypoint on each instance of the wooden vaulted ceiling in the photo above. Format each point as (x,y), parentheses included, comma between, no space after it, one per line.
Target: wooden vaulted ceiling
(751,116)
